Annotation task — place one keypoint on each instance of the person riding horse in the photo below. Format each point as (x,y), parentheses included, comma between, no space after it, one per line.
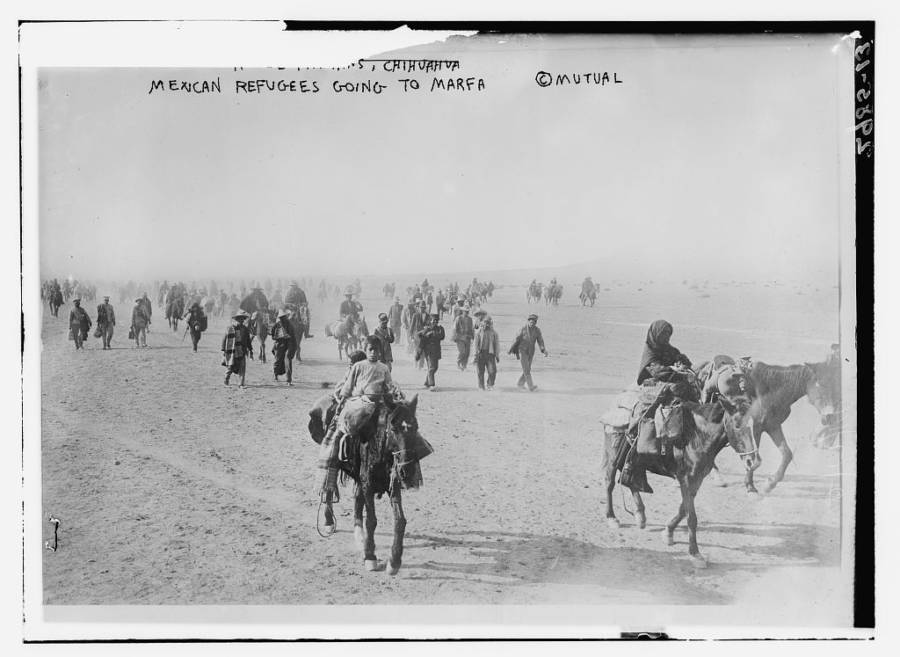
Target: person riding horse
(664,374)
(350,309)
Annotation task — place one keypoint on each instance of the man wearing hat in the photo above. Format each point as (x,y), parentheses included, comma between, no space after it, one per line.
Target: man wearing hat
(463,333)
(106,320)
(79,324)
(395,318)
(386,336)
(349,307)
(418,319)
(523,348)
(458,308)
(487,353)
(285,338)
(139,322)
(430,345)
(236,347)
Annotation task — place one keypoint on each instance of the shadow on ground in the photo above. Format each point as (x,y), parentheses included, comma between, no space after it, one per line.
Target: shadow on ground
(523,559)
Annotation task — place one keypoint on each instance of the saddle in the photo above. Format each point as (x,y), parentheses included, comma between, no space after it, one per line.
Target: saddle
(657,435)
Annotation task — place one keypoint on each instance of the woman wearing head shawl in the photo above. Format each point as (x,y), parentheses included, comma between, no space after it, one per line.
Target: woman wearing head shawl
(661,363)
(660,359)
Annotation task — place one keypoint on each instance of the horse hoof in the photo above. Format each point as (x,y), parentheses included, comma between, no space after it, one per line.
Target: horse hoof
(373,565)
(393,570)
(612,523)
(642,523)
(358,537)
(670,539)
(699,561)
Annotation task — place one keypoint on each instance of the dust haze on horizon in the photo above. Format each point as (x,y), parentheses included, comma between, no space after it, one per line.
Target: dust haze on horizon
(715,159)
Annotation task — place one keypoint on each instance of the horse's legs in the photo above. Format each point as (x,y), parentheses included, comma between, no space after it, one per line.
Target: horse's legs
(748,475)
(608,467)
(359,501)
(399,531)
(329,511)
(639,509)
(371,524)
(673,523)
(688,492)
(786,457)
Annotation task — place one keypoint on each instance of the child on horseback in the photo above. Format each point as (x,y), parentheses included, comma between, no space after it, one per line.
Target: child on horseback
(366,386)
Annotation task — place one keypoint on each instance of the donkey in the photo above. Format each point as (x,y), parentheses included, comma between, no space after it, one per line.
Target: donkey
(260,321)
(708,428)
(384,458)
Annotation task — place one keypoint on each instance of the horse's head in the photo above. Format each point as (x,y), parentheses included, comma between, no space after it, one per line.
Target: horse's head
(403,425)
(823,389)
(739,430)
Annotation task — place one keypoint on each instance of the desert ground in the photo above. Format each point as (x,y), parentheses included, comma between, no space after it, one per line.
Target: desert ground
(173,489)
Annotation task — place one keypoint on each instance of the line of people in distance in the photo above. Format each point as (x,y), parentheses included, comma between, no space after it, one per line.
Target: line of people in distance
(475,339)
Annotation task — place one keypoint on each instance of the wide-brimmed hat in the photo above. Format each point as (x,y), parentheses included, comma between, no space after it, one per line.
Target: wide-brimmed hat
(382,316)
(532,316)
(349,291)
(480,313)
(241,314)
(106,296)
(76,300)
(282,313)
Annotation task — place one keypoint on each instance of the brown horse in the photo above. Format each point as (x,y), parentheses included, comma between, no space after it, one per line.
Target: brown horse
(349,334)
(776,389)
(708,428)
(384,458)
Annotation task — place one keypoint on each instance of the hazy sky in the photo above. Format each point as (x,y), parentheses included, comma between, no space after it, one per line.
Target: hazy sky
(716,157)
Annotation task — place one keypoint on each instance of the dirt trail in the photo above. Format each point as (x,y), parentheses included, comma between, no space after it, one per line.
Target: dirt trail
(174,489)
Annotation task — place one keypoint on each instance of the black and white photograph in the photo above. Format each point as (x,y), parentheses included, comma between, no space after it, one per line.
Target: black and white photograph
(515,332)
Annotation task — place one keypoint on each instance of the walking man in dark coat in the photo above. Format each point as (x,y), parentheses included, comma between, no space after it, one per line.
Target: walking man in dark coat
(79,324)
(463,333)
(139,323)
(196,320)
(523,348)
(285,336)
(106,320)
(386,335)
(395,318)
(430,345)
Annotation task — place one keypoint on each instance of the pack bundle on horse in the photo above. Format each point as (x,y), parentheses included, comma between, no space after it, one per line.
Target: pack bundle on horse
(349,334)
(299,319)
(175,306)
(774,390)
(553,293)
(382,456)
(681,444)
(260,321)
(588,292)
(533,294)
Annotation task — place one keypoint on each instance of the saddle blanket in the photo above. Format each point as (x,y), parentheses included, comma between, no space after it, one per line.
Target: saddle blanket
(620,415)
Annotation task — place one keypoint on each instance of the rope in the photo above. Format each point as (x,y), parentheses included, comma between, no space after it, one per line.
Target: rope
(624,503)
(318,519)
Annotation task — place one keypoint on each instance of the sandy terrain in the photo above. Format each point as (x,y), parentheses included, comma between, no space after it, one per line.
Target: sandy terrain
(174,489)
